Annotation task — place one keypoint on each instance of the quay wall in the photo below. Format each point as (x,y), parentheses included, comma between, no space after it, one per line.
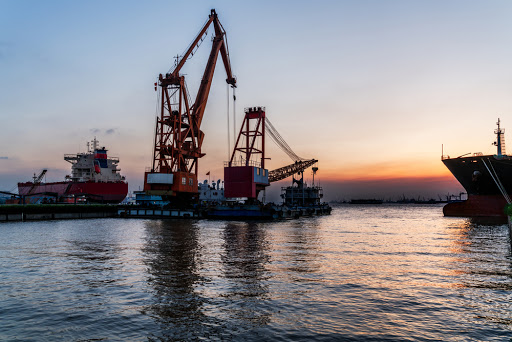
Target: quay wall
(39,212)
(10,213)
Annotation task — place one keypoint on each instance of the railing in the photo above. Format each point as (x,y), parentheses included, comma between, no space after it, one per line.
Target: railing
(242,163)
(476,154)
(253,109)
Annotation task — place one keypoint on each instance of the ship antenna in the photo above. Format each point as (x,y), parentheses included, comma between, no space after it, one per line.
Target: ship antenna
(95,144)
(500,139)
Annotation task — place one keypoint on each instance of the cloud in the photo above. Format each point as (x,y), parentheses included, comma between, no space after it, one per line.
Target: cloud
(4,157)
(109,131)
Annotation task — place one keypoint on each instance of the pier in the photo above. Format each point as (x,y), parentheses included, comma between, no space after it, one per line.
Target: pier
(40,212)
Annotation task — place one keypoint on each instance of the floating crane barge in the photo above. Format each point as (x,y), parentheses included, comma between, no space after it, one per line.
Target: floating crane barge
(171,189)
(172,179)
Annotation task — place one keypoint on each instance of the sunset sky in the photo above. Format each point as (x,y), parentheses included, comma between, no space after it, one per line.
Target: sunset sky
(371,89)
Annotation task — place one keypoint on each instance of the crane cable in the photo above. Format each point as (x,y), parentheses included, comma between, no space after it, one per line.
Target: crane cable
(280,142)
(234,116)
(178,58)
(229,140)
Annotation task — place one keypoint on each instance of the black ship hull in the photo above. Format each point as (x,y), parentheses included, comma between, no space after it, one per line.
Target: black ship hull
(479,175)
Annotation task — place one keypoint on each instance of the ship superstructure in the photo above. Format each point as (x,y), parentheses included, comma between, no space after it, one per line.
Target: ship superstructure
(93,165)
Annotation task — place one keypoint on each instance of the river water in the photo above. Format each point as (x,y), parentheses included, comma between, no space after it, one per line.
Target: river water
(364,273)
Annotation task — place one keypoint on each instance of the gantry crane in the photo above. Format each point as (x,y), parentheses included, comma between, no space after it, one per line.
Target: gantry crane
(178,135)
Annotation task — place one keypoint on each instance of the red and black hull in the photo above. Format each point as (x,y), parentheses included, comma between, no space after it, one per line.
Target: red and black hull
(478,175)
(477,206)
(108,192)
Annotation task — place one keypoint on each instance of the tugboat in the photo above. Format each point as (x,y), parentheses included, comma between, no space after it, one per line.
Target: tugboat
(487,180)
(94,178)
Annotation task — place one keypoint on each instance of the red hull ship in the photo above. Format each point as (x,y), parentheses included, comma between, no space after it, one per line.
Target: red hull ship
(94,178)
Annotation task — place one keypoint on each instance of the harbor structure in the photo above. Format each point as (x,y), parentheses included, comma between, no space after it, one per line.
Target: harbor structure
(172,179)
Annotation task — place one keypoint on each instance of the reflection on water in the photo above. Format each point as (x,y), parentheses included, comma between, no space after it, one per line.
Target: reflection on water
(244,260)
(483,269)
(364,273)
(478,251)
(171,254)
(301,246)
(192,294)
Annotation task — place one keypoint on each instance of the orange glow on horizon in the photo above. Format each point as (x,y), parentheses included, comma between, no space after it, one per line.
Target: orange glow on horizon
(388,171)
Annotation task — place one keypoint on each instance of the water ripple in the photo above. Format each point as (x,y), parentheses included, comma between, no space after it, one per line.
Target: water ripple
(365,273)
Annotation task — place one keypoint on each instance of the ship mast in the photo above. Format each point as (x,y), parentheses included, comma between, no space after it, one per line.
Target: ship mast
(94,144)
(500,139)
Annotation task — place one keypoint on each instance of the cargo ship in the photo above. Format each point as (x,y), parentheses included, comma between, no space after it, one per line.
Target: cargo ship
(95,177)
(487,180)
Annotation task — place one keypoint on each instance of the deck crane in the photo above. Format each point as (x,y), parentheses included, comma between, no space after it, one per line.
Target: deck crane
(245,174)
(289,170)
(178,135)
(37,180)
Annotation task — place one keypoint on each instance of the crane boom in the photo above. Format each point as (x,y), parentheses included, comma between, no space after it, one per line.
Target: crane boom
(289,170)
(39,178)
(37,181)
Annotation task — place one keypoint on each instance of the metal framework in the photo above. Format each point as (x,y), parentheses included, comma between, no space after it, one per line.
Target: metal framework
(178,137)
(500,139)
(290,170)
(246,142)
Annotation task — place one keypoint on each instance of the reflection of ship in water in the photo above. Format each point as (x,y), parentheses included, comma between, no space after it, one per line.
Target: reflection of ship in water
(486,178)
(480,247)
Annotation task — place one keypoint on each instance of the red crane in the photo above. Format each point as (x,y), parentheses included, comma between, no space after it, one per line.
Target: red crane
(245,174)
(178,135)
